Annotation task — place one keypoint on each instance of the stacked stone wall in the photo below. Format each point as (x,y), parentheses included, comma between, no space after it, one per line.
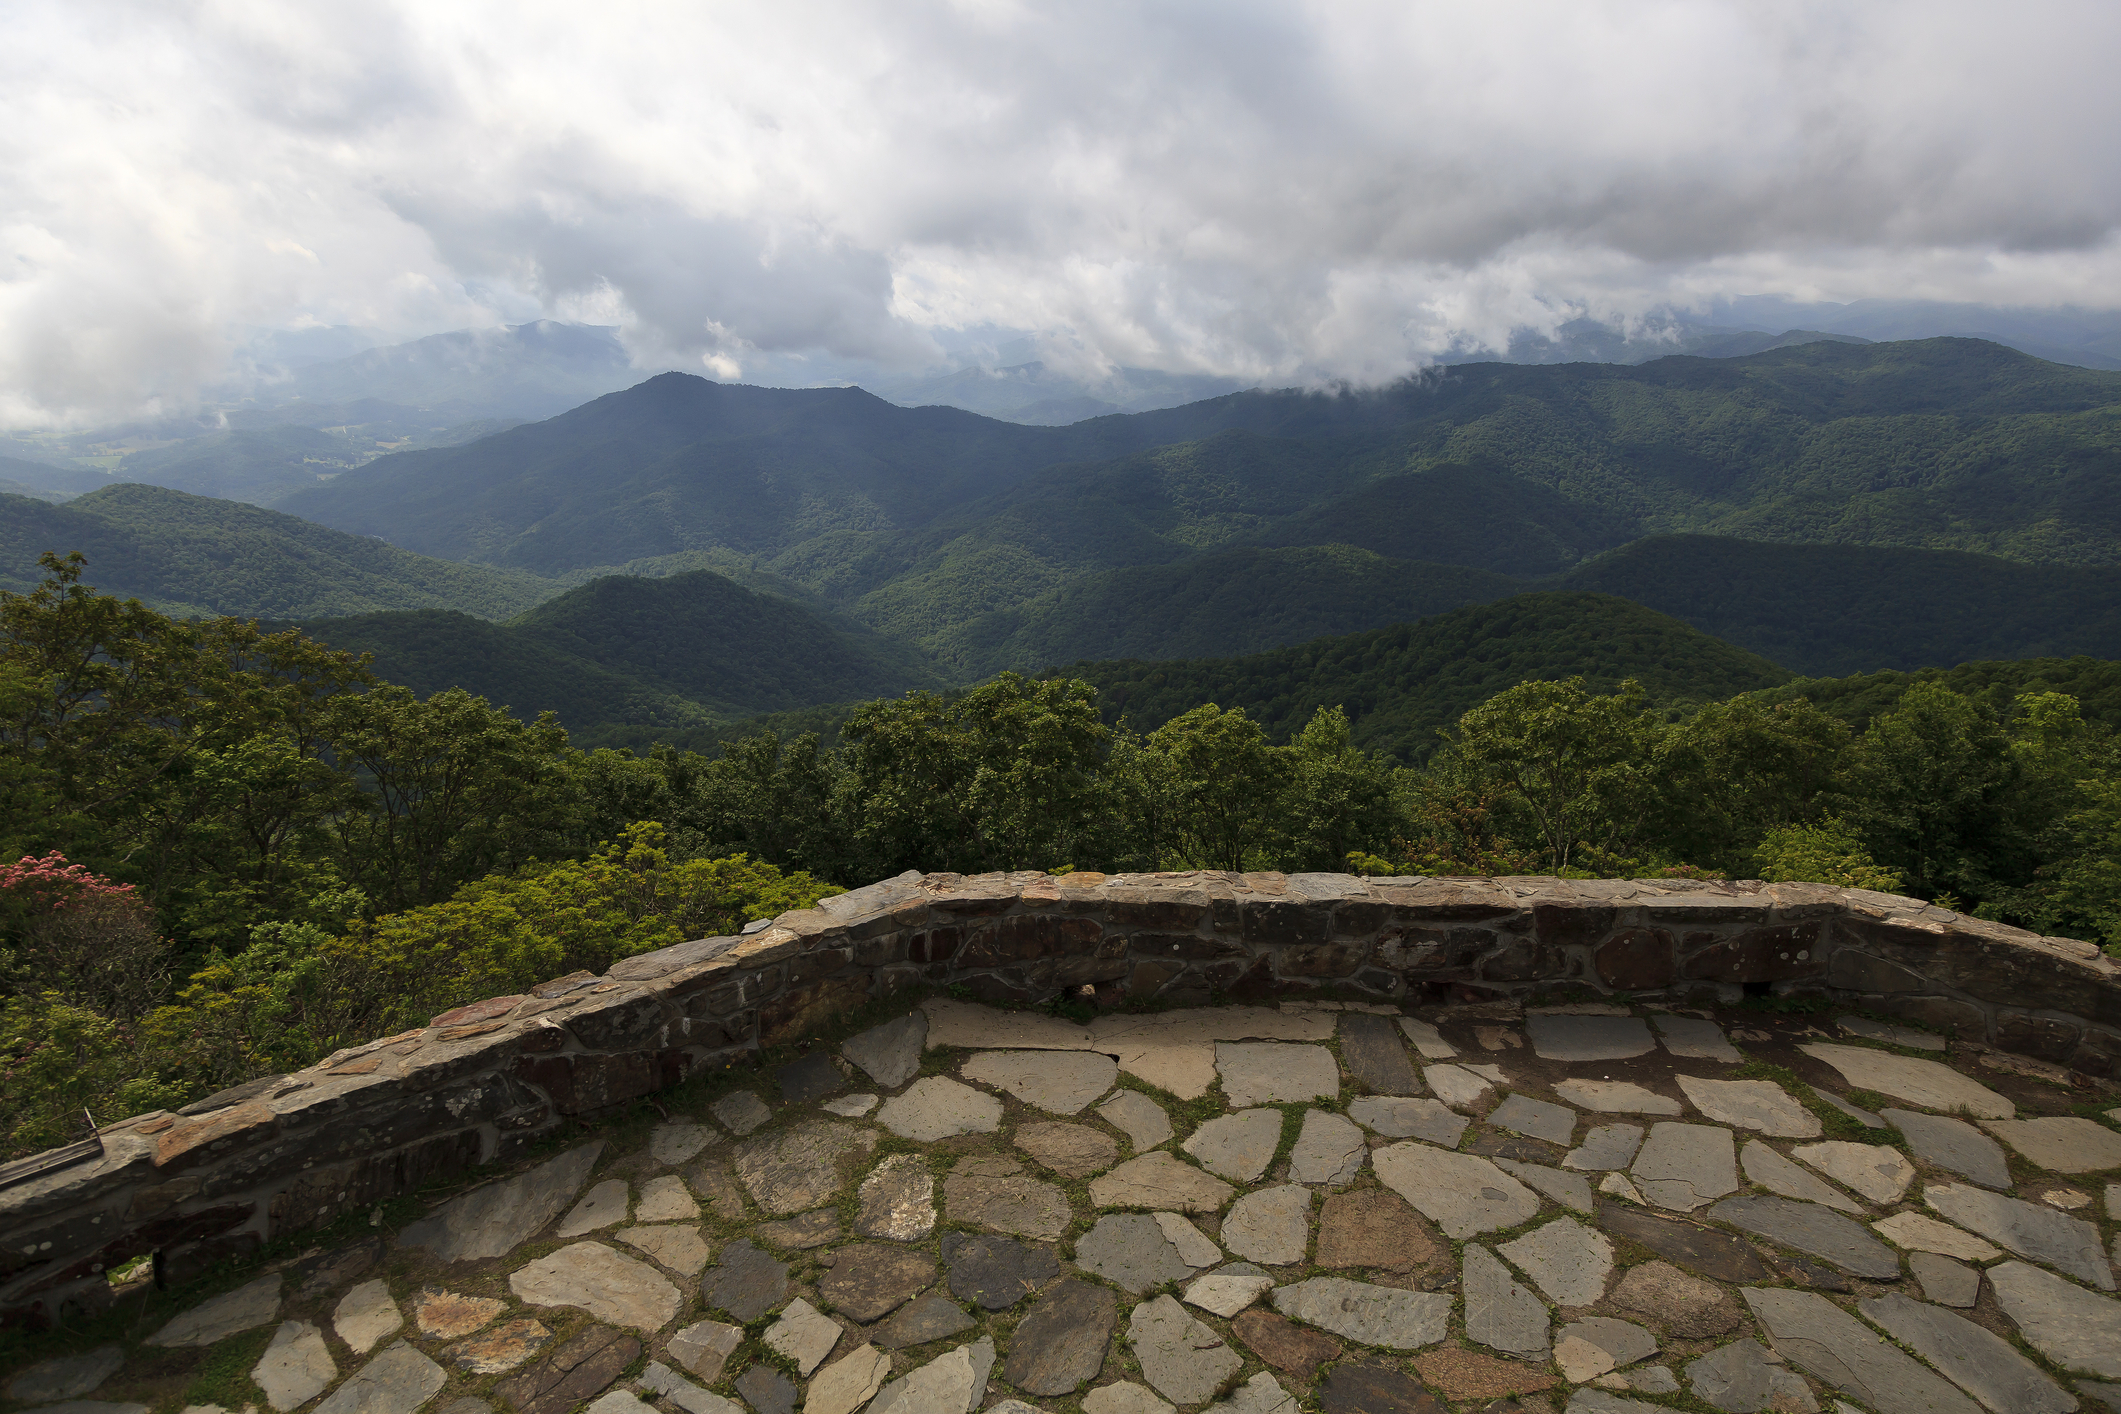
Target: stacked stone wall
(480,1083)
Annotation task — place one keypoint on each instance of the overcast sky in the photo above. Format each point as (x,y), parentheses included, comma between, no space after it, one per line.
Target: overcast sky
(1281,192)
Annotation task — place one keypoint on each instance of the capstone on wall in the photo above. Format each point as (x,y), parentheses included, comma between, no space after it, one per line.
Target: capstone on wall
(481,1082)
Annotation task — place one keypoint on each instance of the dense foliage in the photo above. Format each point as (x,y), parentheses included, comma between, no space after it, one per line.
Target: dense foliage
(234,851)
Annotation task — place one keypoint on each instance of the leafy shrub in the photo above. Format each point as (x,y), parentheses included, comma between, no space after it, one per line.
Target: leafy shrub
(1825,853)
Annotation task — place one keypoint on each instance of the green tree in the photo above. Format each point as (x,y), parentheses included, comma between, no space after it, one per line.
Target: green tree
(1338,800)
(1224,780)
(1926,785)
(1735,770)
(1583,766)
(1827,852)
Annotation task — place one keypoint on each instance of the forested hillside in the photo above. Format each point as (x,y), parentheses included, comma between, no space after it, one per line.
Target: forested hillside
(1398,685)
(189,555)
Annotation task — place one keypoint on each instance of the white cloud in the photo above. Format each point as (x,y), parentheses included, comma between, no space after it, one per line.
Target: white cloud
(1274,191)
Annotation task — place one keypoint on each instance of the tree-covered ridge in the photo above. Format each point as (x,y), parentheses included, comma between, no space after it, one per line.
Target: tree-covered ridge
(1399,685)
(189,554)
(683,650)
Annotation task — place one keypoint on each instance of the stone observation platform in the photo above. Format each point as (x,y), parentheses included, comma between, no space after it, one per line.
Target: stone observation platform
(1361,1146)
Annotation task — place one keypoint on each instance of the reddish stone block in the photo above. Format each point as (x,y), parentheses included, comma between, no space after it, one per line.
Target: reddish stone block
(488,1010)
(1640,959)
(221,1130)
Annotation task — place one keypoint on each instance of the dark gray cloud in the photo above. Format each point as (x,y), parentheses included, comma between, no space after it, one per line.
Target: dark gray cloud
(1266,191)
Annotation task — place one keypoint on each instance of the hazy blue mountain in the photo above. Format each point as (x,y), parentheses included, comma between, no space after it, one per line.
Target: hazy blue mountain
(523,370)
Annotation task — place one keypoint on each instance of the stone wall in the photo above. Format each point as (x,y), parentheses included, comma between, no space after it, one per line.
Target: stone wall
(481,1082)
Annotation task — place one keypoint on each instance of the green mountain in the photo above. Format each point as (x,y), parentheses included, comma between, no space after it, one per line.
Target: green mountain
(686,650)
(1831,610)
(1400,684)
(192,555)
(260,465)
(2094,682)
(1244,600)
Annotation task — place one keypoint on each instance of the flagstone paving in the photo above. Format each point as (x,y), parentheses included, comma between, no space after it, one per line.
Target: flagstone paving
(1239,1210)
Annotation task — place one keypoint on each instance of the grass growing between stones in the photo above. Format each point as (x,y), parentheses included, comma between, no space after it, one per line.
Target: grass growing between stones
(1832,1122)
(224,1377)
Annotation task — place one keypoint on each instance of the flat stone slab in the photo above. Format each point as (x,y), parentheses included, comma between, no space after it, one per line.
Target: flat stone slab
(1944,1281)
(1815,1334)
(1521,1114)
(367,1313)
(802,1232)
(889,1054)
(1262,1394)
(1606,1146)
(611,1287)
(1892,1035)
(1705,1250)
(296,1367)
(747,1283)
(677,1246)
(665,1200)
(1917,1233)
(809,1079)
(1463,1194)
(804,1334)
(1741,1377)
(1194,1248)
(398,1381)
(1686,1166)
(767,1390)
(605,1205)
(1270,1225)
(848,1383)
(1696,1038)
(921,1320)
(1809,1228)
(1927,1083)
(994,1273)
(1588,1038)
(1952,1144)
(1397,1118)
(1462,1374)
(1768,1168)
(2032,1231)
(67,1377)
(1284,1344)
(1374,1054)
(2077,1329)
(1061,1343)
(1133,1252)
(1978,1361)
(1879,1172)
(1684,1306)
(1070,1150)
(1157,1180)
(1376,1229)
(2061,1143)
(1457,1086)
(952,1383)
(936,1107)
(1182,1359)
(870,1280)
(1568,1189)
(1060,1083)
(1566,1260)
(1501,1312)
(1371,1315)
(851,1106)
(1228,1290)
(1615,1097)
(1138,1117)
(246,1308)
(1270,1073)
(741,1112)
(897,1200)
(1237,1146)
(658,1378)
(1014,1203)
(576,1370)
(1759,1105)
(1361,1387)
(504,1348)
(1855,1112)
(705,1347)
(1329,1150)
(795,1172)
(1588,1348)
(1125,1397)
(1427,1039)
